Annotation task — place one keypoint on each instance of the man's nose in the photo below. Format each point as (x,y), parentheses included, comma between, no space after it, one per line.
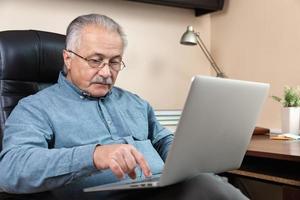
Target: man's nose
(105,71)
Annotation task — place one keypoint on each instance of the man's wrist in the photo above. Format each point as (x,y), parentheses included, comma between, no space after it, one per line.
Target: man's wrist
(98,163)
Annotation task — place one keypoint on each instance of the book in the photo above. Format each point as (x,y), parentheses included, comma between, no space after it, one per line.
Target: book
(168,122)
(168,118)
(285,136)
(167,112)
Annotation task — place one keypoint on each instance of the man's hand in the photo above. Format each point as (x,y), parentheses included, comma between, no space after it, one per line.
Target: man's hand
(121,159)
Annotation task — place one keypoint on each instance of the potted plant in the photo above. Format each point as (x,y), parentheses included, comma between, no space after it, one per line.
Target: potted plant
(290,113)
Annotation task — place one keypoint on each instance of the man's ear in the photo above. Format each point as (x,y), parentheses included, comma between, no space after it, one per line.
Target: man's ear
(67,59)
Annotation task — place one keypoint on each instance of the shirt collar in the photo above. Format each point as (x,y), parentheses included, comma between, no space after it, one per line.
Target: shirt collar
(69,86)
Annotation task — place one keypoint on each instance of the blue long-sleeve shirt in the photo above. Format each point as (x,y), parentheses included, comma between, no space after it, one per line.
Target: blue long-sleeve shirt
(50,137)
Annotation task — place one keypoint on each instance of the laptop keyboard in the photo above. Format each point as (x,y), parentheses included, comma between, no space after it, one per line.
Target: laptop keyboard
(153,178)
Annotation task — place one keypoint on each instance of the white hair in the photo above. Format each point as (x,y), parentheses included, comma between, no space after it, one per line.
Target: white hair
(77,25)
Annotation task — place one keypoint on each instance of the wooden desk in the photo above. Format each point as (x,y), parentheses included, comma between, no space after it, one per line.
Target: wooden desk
(262,146)
(274,161)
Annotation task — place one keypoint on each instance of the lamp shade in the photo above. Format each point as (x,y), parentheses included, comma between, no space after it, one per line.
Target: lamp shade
(192,38)
(189,37)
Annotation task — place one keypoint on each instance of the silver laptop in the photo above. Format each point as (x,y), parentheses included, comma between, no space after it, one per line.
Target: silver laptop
(213,132)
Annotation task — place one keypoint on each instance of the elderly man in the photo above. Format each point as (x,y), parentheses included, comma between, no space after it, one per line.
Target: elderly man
(83,131)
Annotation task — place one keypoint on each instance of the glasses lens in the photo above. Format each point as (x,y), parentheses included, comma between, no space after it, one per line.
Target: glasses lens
(94,63)
(116,66)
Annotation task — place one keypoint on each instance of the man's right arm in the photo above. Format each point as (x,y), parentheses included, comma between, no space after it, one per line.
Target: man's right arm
(28,165)
(26,162)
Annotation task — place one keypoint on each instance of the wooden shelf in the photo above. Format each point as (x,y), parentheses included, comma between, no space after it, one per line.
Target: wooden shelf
(265,177)
(201,7)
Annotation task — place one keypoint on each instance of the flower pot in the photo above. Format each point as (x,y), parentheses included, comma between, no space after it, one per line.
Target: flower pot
(290,117)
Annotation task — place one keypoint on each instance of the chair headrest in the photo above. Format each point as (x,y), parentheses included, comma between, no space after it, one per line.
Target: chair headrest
(28,59)
(30,55)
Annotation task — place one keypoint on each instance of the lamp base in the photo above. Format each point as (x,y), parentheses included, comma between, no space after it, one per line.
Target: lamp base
(222,75)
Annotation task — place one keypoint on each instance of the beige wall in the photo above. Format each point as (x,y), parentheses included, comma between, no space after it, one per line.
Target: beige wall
(159,68)
(259,40)
(256,40)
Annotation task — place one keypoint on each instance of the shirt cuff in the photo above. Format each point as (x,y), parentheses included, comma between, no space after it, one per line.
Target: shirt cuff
(83,162)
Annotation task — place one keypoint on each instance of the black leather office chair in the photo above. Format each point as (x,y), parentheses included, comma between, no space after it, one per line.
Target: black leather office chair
(29,61)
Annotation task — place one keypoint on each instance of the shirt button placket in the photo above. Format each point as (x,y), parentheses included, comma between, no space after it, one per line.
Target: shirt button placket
(106,116)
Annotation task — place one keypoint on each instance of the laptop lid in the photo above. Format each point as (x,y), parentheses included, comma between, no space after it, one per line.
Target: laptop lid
(215,128)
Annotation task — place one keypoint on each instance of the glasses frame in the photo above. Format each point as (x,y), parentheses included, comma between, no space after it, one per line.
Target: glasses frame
(102,63)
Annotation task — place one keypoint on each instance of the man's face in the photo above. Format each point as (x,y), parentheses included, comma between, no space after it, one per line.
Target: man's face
(99,44)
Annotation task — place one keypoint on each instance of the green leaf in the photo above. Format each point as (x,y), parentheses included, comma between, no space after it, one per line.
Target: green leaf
(276,98)
(291,97)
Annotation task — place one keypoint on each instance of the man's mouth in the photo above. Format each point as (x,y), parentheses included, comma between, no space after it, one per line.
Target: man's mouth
(97,83)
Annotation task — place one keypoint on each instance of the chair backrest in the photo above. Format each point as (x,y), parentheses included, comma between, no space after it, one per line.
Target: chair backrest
(29,60)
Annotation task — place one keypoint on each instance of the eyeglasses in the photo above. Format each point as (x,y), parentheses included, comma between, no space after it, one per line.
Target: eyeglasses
(99,64)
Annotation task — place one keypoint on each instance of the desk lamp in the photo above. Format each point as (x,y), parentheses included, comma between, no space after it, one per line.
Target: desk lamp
(190,37)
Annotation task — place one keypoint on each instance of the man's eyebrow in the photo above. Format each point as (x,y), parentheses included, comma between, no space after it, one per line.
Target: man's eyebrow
(99,54)
(103,56)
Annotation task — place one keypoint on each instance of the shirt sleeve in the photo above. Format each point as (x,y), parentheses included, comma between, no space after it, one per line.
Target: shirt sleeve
(27,162)
(163,145)
(160,136)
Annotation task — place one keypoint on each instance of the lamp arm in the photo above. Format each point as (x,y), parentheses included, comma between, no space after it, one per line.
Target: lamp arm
(209,57)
